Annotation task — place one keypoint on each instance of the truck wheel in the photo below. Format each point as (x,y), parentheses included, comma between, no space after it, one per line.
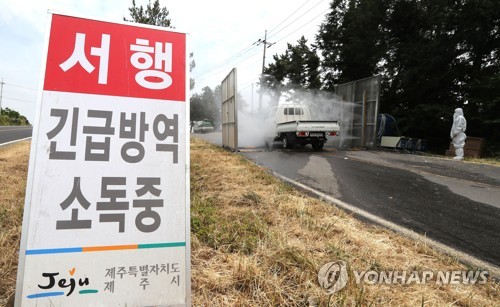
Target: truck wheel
(317,146)
(285,143)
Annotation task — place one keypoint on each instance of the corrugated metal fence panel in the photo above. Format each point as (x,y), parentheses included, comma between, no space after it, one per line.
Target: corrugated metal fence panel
(229,111)
(359,117)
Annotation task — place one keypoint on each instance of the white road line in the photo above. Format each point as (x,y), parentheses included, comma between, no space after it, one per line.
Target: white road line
(11,142)
(493,270)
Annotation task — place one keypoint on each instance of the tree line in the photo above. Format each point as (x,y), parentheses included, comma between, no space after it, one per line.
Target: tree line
(9,117)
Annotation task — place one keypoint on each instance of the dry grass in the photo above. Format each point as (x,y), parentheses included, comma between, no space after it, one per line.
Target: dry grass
(487,161)
(13,171)
(258,242)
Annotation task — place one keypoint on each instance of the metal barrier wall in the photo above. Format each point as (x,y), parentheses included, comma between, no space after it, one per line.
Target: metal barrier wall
(360,100)
(229,111)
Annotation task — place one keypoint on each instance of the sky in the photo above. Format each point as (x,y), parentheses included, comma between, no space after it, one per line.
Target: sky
(222,35)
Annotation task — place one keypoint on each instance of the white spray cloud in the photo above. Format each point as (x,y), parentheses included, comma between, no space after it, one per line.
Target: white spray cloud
(324,106)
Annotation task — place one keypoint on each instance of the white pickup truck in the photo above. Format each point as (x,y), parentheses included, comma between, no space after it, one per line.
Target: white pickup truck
(291,124)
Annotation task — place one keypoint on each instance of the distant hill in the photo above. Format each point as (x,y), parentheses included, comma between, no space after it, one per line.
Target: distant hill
(10,117)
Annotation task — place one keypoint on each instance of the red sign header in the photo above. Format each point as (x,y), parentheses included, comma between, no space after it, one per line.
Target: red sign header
(96,57)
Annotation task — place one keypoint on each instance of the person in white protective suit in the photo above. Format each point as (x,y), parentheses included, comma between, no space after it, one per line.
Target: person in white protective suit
(457,133)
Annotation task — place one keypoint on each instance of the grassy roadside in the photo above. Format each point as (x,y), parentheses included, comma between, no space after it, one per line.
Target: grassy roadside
(258,242)
(489,161)
(13,171)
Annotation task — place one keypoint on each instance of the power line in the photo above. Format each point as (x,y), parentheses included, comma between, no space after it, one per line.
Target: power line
(290,15)
(280,39)
(243,51)
(211,68)
(220,66)
(31,101)
(247,86)
(297,18)
(21,87)
(251,63)
(248,82)
(302,26)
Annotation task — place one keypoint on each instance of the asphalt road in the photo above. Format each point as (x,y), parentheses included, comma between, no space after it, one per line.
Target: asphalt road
(454,203)
(13,133)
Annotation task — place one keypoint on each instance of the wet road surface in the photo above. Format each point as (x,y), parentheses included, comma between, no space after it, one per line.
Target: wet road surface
(452,202)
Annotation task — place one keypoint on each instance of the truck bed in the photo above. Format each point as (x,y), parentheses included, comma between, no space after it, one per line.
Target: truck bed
(308,125)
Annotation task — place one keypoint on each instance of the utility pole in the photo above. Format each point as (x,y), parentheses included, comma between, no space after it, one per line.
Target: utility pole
(252,98)
(1,92)
(266,44)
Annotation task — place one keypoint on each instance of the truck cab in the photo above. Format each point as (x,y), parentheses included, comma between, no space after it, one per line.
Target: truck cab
(291,124)
(289,113)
